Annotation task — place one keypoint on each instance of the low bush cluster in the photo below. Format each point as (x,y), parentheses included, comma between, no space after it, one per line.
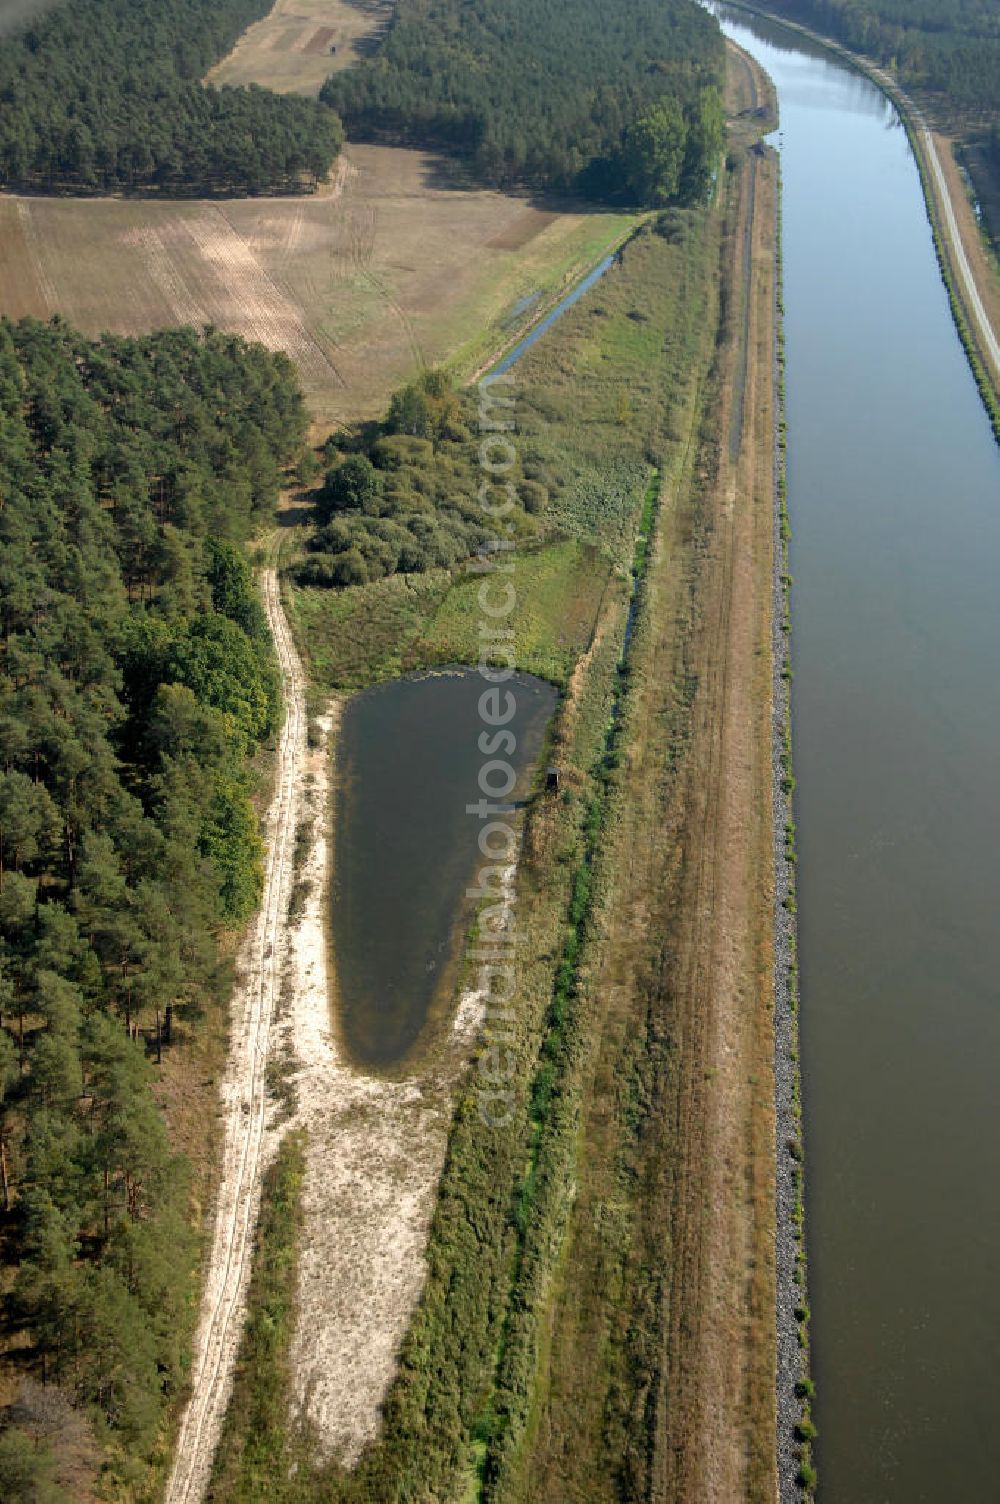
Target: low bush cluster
(412,495)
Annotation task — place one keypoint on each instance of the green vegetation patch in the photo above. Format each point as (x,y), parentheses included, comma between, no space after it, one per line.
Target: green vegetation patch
(559,593)
(257,1448)
(362,635)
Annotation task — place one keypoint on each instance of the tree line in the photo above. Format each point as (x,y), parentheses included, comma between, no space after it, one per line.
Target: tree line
(136,680)
(103,95)
(540,92)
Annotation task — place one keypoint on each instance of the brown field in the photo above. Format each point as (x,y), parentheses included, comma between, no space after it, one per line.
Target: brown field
(290,50)
(384,270)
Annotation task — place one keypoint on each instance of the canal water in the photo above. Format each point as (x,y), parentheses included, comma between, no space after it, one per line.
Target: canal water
(894,495)
(405,848)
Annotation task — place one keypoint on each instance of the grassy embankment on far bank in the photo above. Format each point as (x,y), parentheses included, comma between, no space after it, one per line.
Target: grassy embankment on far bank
(577,1240)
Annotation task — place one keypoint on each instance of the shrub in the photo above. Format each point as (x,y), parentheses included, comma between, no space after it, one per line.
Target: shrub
(395,450)
(534,496)
(352,486)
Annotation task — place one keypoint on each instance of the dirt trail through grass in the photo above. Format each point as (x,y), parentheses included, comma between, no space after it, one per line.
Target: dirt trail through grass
(244,1100)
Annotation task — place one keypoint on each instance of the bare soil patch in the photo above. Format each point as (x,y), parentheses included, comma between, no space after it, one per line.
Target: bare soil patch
(374,1152)
(320,40)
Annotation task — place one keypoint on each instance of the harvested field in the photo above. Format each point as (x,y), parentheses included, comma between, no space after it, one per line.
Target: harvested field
(387,269)
(301,42)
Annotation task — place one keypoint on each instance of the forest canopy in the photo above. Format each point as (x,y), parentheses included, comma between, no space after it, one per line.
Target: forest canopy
(136,679)
(536,92)
(107,94)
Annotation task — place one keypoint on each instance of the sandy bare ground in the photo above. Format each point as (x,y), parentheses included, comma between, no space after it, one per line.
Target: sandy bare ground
(244,1102)
(374,1152)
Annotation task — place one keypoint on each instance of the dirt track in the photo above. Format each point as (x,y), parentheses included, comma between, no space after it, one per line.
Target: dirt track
(244,1101)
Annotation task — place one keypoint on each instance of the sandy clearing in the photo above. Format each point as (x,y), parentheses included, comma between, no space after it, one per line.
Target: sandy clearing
(374,1151)
(296,47)
(374,1147)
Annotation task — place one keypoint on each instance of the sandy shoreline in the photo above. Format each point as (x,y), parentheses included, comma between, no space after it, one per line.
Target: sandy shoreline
(375,1148)
(374,1151)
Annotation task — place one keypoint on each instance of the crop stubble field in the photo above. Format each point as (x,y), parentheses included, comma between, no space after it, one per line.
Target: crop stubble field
(383,271)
